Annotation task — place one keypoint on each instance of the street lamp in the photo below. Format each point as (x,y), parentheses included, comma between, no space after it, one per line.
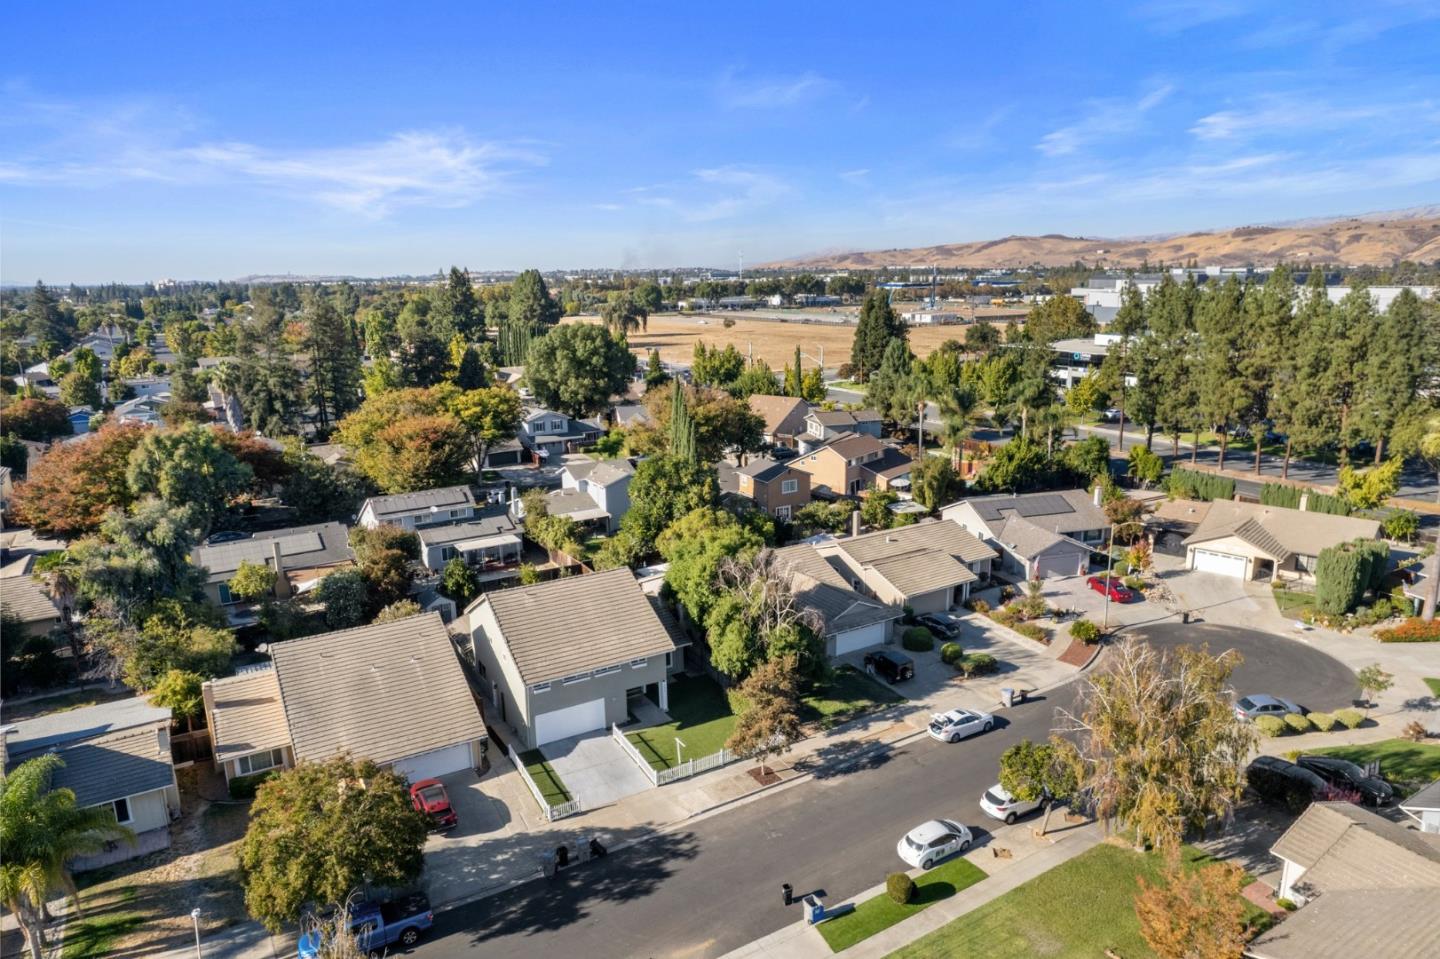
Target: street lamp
(195,918)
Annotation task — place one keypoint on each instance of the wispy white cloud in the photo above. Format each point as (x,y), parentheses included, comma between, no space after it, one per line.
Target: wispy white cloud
(738,92)
(1288,114)
(1102,119)
(712,194)
(855,176)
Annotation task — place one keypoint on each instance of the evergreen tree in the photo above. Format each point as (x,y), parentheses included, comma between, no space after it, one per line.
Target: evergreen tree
(1224,395)
(470,373)
(1266,350)
(460,302)
(794,378)
(655,374)
(531,303)
(682,426)
(45,321)
(266,382)
(878,325)
(424,357)
(513,340)
(334,362)
(1394,370)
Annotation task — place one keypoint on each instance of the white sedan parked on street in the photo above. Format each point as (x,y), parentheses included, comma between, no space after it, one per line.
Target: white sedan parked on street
(998,802)
(930,842)
(955,725)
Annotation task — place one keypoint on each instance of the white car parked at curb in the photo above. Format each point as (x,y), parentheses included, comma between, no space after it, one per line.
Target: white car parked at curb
(955,725)
(999,804)
(930,842)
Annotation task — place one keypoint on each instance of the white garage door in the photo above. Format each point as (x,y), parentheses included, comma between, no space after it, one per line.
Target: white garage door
(853,639)
(429,765)
(1226,564)
(570,721)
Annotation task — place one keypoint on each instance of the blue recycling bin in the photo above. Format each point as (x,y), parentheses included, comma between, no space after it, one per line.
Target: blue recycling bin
(814,909)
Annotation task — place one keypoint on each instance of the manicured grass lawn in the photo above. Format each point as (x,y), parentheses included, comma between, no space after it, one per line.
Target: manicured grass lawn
(881,912)
(703,719)
(95,936)
(1291,603)
(549,782)
(1075,911)
(1401,761)
(848,694)
(1434,685)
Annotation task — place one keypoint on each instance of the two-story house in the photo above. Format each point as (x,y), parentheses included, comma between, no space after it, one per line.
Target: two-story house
(784,417)
(605,483)
(550,435)
(449,504)
(846,466)
(822,426)
(450,523)
(777,488)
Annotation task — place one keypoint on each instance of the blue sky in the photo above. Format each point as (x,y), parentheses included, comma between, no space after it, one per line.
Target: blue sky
(149,140)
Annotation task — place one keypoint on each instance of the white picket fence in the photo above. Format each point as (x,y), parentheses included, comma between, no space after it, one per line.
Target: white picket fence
(552,813)
(685,770)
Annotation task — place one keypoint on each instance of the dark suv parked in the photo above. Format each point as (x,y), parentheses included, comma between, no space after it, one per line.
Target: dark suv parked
(1282,783)
(1343,774)
(896,667)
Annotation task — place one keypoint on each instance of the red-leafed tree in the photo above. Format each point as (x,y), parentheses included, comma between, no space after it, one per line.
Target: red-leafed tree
(69,490)
(37,419)
(265,458)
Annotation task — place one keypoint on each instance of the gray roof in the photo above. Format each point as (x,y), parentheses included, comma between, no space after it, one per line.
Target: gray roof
(600,472)
(246,714)
(667,619)
(1342,846)
(566,626)
(398,504)
(382,692)
(1280,531)
(892,463)
(920,558)
(492,521)
(832,417)
(922,572)
(1061,511)
(26,599)
(821,587)
(764,469)
(324,544)
(116,766)
(571,502)
(1346,923)
(1427,798)
(1024,538)
(87,722)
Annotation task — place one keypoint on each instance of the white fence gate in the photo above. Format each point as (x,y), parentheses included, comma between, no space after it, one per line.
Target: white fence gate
(685,770)
(552,813)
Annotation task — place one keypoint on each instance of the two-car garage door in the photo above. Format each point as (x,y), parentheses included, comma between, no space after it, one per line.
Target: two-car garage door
(1225,564)
(856,639)
(570,721)
(436,763)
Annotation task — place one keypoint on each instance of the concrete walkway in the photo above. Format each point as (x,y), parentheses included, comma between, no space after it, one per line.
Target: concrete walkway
(1031,858)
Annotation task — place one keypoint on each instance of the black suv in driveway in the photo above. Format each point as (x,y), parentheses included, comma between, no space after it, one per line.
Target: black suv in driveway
(1343,774)
(1280,782)
(939,625)
(895,667)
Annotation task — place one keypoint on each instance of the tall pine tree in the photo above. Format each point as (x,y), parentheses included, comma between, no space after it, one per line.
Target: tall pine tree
(334,362)
(878,325)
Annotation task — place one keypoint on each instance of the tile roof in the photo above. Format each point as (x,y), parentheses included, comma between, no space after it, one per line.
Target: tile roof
(323,544)
(937,535)
(821,587)
(1342,846)
(246,714)
(26,599)
(1291,530)
(449,497)
(1061,511)
(600,472)
(565,626)
(383,691)
(1346,923)
(923,572)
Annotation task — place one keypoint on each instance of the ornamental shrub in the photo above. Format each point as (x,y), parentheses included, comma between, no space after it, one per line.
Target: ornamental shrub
(980,606)
(1325,503)
(1270,726)
(1134,582)
(1413,630)
(977,664)
(1344,572)
(900,888)
(951,653)
(1349,718)
(1031,631)
(1192,484)
(1280,494)
(1321,721)
(1297,722)
(1084,631)
(1414,731)
(918,639)
(1402,525)
(244,787)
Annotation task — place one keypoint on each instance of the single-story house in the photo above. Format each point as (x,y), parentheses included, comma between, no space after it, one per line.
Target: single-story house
(777,488)
(628,415)
(490,541)
(852,621)
(928,566)
(1365,885)
(1424,808)
(393,693)
(26,600)
(563,657)
(509,452)
(431,507)
(1037,534)
(822,426)
(117,757)
(784,417)
(1421,583)
(300,555)
(550,435)
(1253,541)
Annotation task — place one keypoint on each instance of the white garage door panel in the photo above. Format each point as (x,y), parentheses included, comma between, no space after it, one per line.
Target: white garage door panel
(430,765)
(1225,564)
(570,721)
(851,640)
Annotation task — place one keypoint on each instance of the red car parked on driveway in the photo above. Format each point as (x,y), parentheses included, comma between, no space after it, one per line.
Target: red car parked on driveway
(1111,586)
(430,798)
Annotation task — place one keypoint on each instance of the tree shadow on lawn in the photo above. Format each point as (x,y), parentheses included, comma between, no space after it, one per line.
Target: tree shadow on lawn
(544,906)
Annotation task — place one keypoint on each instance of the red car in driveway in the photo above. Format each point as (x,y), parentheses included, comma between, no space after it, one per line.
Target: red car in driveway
(430,798)
(1112,587)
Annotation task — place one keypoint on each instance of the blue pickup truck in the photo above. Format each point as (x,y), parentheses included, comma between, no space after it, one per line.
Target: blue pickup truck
(378,926)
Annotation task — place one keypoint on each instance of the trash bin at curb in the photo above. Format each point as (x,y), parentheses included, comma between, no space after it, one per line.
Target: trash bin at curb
(788,891)
(1007,696)
(814,909)
(547,864)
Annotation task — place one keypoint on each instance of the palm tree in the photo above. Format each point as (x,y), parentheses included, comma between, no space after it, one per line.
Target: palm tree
(41,830)
(60,574)
(956,403)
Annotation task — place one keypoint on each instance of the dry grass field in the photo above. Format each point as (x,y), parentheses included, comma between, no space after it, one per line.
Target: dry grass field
(771,341)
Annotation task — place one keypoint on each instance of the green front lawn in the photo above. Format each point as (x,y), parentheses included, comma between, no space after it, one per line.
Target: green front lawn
(1401,761)
(1292,604)
(1434,685)
(847,694)
(95,936)
(881,912)
(1077,910)
(551,786)
(703,717)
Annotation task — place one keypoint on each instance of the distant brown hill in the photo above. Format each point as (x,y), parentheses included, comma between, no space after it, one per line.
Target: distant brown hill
(1356,241)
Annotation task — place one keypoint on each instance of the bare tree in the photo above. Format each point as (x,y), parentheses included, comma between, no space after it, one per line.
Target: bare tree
(758,615)
(333,936)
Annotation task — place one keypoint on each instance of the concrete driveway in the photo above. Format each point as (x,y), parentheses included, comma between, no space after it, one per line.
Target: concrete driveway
(595,768)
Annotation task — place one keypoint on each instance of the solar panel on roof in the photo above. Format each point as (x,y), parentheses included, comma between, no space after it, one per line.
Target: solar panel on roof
(1043,505)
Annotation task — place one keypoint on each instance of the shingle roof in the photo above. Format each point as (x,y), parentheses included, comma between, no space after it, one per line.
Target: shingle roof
(381,692)
(449,497)
(27,600)
(323,544)
(117,766)
(1346,923)
(246,714)
(600,472)
(1061,511)
(573,503)
(833,417)
(819,586)
(938,535)
(891,463)
(764,469)
(42,732)
(775,410)
(1342,846)
(569,625)
(1024,538)
(853,445)
(922,572)
(492,522)
(1292,530)
(1427,798)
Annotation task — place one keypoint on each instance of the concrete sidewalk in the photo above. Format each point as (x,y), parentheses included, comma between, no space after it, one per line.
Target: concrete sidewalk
(1032,857)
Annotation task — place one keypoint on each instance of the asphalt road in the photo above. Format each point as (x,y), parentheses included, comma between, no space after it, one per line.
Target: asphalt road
(709,888)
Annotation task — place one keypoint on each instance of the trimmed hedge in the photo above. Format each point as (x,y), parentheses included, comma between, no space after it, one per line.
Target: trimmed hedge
(1084,631)
(1031,631)
(918,639)
(1413,630)
(1325,503)
(977,664)
(1280,494)
(1270,726)
(951,653)
(1346,571)
(1350,718)
(900,888)
(1297,722)
(244,787)
(1192,484)
(1322,721)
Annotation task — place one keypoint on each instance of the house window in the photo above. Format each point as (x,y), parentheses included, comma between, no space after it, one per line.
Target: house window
(607,671)
(789,486)
(815,429)
(1305,564)
(557,425)
(224,590)
(120,809)
(259,762)
(669,657)
(447,553)
(638,663)
(575,678)
(782,512)
(540,688)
